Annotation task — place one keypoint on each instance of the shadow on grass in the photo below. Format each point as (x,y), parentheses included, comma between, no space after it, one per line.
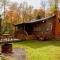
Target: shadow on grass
(38,44)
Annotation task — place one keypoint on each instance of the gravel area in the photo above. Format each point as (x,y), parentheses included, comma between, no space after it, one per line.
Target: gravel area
(17,54)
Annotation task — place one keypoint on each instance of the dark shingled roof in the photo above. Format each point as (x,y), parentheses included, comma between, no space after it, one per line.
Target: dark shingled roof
(35,21)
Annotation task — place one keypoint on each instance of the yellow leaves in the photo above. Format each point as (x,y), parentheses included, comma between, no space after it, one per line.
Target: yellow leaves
(11,16)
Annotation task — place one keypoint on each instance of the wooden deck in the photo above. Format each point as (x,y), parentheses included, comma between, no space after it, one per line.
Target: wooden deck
(9,40)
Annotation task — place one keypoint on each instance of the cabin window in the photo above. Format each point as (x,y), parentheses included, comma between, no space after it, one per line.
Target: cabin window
(49,26)
(37,29)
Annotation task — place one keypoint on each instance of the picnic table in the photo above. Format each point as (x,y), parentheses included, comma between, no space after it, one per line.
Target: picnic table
(8,38)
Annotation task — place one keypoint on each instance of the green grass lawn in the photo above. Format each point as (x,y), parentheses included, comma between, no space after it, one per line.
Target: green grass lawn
(40,50)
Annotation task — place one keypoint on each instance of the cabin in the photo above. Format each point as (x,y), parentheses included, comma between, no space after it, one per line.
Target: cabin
(41,29)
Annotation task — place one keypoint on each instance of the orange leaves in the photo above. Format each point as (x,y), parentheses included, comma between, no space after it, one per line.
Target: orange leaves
(11,16)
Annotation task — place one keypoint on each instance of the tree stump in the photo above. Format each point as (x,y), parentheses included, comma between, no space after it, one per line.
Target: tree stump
(6,48)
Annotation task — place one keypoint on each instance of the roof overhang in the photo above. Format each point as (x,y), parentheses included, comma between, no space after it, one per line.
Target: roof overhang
(35,21)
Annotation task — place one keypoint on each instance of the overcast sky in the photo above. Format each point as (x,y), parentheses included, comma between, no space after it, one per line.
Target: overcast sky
(34,3)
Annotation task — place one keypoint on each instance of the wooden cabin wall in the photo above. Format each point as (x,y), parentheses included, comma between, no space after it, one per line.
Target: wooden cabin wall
(56,29)
(40,31)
